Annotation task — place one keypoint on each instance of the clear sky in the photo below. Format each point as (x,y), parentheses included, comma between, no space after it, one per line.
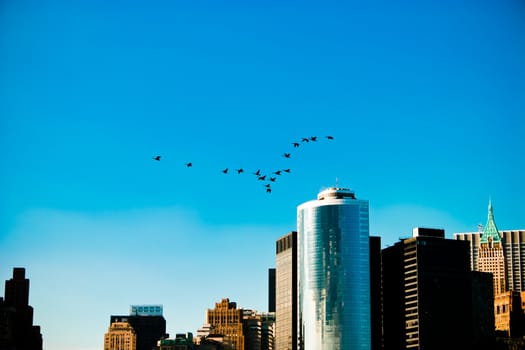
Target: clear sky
(425,101)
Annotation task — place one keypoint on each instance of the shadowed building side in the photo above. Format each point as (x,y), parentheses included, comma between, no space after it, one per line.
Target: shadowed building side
(17,331)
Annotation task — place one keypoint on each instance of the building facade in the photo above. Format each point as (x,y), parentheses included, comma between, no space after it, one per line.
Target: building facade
(271,290)
(226,319)
(513,250)
(286,292)
(120,336)
(376,312)
(490,254)
(427,294)
(502,253)
(148,324)
(334,272)
(513,243)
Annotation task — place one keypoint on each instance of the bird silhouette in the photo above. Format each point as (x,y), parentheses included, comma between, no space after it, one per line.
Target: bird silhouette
(313,138)
(268,190)
(156,157)
(272,179)
(278,172)
(295,144)
(267,185)
(305,139)
(225,171)
(258,172)
(262,178)
(330,137)
(287,170)
(240,171)
(189,164)
(287,155)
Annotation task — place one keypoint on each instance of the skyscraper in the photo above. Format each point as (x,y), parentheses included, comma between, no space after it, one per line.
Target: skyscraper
(428,295)
(501,253)
(490,253)
(17,331)
(512,243)
(147,323)
(286,292)
(271,290)
(334,272)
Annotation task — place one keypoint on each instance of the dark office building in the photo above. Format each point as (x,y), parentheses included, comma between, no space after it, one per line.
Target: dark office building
(149,329)
(271,290)
(428,294)
(375,292)
(17,331)
(483,321)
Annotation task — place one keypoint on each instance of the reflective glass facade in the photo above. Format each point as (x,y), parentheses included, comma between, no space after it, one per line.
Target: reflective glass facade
(334,272)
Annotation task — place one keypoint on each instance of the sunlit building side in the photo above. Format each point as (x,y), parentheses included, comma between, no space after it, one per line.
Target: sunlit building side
(120,336)
(286,292)
(334,272)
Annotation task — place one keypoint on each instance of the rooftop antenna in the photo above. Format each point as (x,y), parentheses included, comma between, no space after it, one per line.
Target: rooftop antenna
(336,182)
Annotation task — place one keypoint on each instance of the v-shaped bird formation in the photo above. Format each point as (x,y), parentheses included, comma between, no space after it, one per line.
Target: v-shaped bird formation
(259,175)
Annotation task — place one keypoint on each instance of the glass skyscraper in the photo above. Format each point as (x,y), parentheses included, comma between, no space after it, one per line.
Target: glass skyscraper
(334,272)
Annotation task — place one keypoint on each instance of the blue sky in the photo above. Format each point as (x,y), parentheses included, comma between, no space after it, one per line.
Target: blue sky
(425,100)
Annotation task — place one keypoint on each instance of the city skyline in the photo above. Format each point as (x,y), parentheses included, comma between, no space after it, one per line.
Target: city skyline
(425,103)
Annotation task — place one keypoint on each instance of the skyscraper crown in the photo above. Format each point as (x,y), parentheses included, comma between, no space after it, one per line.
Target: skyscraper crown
(490,232)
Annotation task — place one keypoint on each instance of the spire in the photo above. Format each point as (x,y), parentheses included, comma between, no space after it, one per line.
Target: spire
(490,232)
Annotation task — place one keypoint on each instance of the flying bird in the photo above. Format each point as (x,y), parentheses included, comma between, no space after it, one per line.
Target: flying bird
(268,190)
(330,137)
(295,144)
(272,179)
(262,177)
(305,139)
(258,172)
(287,170)
(240,171)
(278,172)
(225,171)
(287,155)
(156,157)
(313,138)
(189,164)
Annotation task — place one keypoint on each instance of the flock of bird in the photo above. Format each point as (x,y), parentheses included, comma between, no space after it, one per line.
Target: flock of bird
(268,179)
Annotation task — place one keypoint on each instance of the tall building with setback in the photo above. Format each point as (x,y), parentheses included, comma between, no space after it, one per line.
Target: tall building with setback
(513,246)
(286,292)
(428,294)
(146,321)
(334,272)
(17,331)
(502,253)
(490,254)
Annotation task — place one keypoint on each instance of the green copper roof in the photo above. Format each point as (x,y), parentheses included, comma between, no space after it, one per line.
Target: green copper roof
(490,232)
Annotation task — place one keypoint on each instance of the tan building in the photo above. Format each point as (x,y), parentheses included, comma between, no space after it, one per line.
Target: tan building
(226,320)
(120,336)
(501,253)
(491,257)
(508,310)
(286,292)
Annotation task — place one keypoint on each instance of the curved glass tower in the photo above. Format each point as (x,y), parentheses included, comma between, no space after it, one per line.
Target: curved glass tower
(334,272)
